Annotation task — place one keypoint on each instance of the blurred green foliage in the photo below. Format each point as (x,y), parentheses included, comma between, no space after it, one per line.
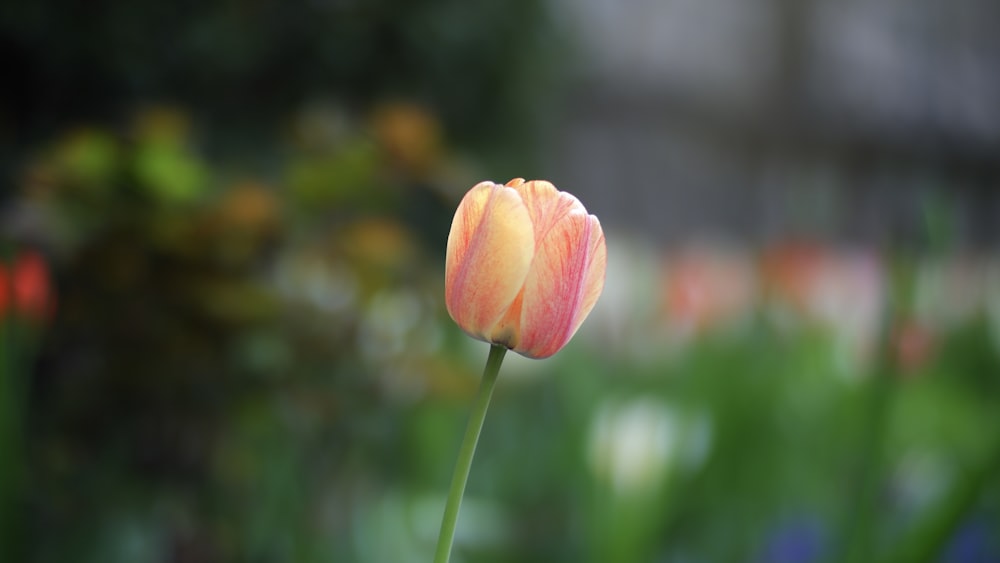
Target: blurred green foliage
(215,365)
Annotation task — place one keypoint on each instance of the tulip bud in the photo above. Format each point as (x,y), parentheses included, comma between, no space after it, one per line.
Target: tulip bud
(525,265)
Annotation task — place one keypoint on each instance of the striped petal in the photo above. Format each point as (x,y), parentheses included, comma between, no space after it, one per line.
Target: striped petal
(490,249)
(593,281)
(567,274)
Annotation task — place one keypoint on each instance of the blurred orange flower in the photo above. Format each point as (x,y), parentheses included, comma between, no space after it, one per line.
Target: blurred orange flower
(250,207)
(706,286)
(790,271)
(410,136)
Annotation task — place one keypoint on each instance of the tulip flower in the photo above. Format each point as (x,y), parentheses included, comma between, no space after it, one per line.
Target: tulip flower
(525,266)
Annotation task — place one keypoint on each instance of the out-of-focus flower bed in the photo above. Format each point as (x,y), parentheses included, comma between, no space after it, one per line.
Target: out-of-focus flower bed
(252,362)
(797,402)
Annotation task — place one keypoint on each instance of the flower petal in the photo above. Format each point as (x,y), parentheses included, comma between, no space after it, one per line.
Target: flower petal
(489,253)
(597,266)
(567,275)
(546,205)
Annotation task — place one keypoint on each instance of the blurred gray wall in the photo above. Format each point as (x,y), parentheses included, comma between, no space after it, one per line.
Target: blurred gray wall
(850,119)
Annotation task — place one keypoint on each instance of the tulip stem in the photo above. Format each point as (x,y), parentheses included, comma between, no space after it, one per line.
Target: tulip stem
(466,452)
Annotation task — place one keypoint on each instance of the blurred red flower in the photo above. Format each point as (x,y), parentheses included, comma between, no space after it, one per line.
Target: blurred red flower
(4,291)
(30,288)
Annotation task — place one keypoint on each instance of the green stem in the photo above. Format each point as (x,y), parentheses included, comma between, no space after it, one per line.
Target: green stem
(12,400)
(859,527)
(860,521)
(467,451)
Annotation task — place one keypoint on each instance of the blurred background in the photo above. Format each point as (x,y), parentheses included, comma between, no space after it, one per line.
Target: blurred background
(222,234)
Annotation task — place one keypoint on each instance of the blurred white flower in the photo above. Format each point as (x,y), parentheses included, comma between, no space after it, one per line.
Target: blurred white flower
(386,323)
(992,299)
(396,331)
(636,444)
(850,299)
(921,478)
(311,279)
(950,291)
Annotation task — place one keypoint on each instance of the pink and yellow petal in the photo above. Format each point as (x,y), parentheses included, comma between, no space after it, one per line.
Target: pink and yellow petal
(593,282)
(546,205)
(560,284)
(489,253)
